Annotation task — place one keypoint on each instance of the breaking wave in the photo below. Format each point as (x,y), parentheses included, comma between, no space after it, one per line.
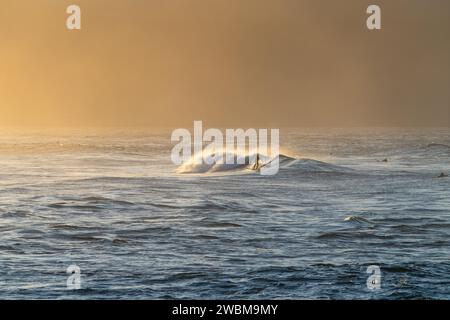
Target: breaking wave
(245,163)
(241,162)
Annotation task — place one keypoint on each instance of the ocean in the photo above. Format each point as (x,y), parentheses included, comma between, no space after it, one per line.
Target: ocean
(112,203)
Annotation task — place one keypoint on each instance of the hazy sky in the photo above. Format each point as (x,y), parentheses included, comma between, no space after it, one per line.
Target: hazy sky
(226,62)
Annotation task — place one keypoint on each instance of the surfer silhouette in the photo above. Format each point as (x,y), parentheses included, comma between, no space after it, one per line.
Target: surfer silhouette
(256,166)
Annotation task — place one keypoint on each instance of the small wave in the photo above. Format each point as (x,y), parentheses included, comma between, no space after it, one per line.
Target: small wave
(32,286)
(316,166)
(16,214)
(437,145)
(430,149)
(64,226)
(181,276)
(85,237)
(210,205)
(142,232)
(63,205)
(210,224)
(205,237)
(97,199)
(89,203)
(347,235)
(358,220)
(119,241)
(404,228)
(401,268)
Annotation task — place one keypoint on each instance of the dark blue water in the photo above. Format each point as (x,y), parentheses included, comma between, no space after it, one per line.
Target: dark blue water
(111,203)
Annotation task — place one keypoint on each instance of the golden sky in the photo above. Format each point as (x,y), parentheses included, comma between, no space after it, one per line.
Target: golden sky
(226,62)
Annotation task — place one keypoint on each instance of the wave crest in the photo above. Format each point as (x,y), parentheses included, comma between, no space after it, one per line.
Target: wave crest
(241,162)
(245,163)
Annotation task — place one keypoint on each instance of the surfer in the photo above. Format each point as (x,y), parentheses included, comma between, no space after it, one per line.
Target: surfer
(256,165)
(442,175)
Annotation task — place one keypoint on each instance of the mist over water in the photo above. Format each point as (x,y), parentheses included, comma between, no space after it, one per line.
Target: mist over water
(112,203)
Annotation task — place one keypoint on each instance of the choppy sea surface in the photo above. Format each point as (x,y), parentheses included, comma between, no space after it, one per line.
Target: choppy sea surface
(112,203)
